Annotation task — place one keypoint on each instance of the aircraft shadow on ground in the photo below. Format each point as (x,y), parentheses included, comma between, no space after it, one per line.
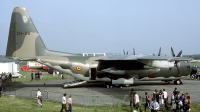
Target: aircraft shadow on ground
(99,87)
(86,85)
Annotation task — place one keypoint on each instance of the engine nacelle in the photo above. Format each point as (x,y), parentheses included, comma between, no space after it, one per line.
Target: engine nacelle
(123,81)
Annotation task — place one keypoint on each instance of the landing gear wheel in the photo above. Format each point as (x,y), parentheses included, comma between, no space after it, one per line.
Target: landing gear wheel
(192,76)
(178,82)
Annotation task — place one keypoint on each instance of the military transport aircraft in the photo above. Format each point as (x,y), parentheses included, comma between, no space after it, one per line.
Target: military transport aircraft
(25,44)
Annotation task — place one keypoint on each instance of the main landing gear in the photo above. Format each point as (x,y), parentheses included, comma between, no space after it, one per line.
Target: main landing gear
(178,82)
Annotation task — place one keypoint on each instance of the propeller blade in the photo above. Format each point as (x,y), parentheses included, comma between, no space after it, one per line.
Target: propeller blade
(159,52)
(177,68)
(179,54)
(124,51)
(133,51)
(127,53)
(172,51)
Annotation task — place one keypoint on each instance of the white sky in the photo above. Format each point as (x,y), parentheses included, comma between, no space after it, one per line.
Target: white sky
(110,26)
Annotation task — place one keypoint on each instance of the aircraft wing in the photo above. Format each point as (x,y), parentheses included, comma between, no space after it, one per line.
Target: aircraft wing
(143,57)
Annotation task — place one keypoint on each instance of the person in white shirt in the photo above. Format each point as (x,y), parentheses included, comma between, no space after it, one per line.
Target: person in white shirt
(165,99)
(64,102)
(69,101)
(39,98)
(136,100)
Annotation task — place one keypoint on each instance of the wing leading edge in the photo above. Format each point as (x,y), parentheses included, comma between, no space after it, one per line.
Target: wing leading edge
(143,57)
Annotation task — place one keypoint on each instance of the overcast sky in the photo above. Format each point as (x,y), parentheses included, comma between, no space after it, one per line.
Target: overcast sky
(109,26)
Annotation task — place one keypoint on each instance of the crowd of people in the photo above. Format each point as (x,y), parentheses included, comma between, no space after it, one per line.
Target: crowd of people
(66,103)
(5,77)
(38,75)
(159,101)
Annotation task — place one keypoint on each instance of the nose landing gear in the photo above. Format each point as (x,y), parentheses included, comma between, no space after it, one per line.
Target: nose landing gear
(178,82)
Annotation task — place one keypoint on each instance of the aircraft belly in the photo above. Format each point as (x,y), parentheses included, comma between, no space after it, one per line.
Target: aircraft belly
(131,72)
(160,78)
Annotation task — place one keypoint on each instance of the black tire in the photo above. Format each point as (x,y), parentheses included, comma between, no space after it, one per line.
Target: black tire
(192,76)
(174,82)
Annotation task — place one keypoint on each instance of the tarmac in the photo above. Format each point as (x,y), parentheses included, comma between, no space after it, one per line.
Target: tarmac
(82,93)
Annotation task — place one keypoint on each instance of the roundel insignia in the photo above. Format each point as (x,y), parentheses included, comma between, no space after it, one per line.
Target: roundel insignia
(78,68)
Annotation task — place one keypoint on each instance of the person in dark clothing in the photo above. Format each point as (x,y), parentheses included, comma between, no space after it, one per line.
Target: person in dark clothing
(35,75)
(175,91)
(38,75)
(186,106)
(147,103)
(156,95)
(131,94)
(0,90)
(177,100)
(31,75)
(10,77)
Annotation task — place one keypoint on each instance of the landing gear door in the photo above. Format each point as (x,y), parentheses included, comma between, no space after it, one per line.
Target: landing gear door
(93,74)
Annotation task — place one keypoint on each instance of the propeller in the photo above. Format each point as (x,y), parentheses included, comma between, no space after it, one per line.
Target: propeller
(159,52)
(176,65)
(176,62)
(179,54)
(172,51)
(125,53)
(173,54)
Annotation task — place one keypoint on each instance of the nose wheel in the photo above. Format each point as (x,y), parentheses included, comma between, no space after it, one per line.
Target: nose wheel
(178,82)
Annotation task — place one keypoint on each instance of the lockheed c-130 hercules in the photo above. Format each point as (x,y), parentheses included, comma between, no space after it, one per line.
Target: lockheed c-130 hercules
(25,44)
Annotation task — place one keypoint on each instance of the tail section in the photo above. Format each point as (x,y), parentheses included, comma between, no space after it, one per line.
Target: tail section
(24,39)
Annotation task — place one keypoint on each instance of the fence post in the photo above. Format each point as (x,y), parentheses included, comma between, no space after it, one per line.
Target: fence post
(113,100)
(47,95)
(31,94)
(85,102)
(15,92)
